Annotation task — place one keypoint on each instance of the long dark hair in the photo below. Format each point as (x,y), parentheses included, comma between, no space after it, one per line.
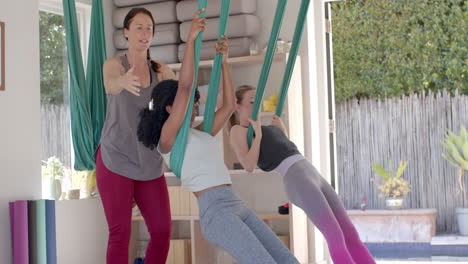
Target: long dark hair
(152,121)
(128,20)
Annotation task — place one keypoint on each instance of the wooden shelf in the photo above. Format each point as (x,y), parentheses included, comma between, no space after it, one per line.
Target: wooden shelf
(242,171)
(196,217)
(235,62)
(231,172)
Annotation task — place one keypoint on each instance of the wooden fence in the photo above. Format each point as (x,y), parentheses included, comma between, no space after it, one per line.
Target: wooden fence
(56,133)
(408,128)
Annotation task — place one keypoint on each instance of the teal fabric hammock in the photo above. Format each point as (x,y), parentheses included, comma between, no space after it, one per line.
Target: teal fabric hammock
(94,76)
(297,37)
(213,86)
(178,149)
(278,20)
(269,60)
(87,97)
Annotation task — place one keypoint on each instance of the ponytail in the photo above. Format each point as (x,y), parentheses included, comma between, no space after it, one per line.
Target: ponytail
(154,65)
(150,126)
(233,120)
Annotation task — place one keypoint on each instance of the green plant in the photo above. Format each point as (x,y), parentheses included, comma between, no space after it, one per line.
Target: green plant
(53,168)
(387,48)
(394,185)
(456,152)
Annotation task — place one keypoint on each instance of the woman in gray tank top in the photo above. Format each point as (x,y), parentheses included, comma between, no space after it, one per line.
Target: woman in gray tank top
(125,169)
(271,150)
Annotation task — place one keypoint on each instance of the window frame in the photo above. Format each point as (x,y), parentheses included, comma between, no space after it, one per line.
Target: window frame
(83,13)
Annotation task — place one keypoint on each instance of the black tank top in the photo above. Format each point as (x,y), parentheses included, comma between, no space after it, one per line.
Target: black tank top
(275,147)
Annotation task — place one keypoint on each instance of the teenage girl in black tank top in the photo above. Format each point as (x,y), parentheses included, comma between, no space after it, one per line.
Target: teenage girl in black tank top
(272,150)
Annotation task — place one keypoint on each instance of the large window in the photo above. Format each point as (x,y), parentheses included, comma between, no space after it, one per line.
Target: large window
(58,177)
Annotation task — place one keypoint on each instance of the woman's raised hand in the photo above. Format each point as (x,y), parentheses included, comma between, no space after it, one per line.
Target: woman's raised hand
(257,126)
(223,47)
(198,25)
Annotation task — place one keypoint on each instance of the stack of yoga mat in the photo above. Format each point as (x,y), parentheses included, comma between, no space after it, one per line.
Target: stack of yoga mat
(33,232)
(165,43)
(242,26)
(173,21)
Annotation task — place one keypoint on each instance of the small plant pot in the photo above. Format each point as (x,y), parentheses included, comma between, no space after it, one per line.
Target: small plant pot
(51,189)
(394,203)
(462,220)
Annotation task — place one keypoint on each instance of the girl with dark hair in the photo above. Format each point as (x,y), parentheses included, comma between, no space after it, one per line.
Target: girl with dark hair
(271,150)
(225,221)
(125,169)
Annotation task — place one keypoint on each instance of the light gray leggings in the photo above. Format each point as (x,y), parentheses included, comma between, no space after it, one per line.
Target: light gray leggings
(227,223)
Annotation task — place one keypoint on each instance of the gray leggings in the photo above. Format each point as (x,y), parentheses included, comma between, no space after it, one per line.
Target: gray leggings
(227,223)
(307,189)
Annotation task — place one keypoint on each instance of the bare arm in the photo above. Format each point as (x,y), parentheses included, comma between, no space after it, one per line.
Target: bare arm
(278,122)
(229,102)
(238,139)
(116,79)
(179,107)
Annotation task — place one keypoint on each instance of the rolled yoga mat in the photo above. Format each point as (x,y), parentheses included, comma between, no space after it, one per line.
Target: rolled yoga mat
(32,232)
(12,225)
(51,237)
(186,9)
(41,235)
(20,231)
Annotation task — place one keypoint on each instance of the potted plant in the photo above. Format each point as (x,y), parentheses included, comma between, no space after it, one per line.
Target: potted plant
(456,152)
(394,186)
(52,174)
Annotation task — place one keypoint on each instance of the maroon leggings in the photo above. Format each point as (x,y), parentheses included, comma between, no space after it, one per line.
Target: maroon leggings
(117,194)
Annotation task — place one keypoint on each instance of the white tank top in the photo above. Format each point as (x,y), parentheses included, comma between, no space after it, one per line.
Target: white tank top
(203,165)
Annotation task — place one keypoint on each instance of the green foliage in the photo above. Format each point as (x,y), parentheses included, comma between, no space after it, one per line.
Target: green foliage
(456,148)
(385,48)
(456,152)
(53,168)
(53,58)
(379,170)
(394,185)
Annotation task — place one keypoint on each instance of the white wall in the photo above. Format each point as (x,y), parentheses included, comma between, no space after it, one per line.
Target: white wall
(20,145)
(81,232)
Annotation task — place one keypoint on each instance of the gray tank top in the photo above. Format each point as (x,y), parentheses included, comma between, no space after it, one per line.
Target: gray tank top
(275,147)
(121,151)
